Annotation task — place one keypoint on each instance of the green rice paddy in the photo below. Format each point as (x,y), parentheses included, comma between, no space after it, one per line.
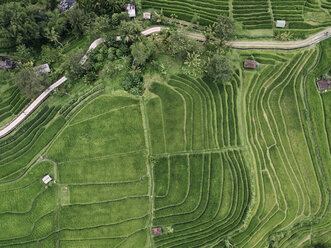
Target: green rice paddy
(244,163)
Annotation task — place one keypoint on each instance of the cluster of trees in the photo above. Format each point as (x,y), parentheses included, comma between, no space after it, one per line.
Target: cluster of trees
(35,24)
(30,26)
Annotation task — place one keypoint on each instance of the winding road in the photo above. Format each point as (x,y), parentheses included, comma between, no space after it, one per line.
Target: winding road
(290,45)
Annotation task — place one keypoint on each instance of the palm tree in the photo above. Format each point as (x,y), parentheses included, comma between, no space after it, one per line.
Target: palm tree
(53,36)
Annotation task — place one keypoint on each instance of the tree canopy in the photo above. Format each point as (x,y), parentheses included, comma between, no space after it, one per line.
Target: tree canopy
(219,69)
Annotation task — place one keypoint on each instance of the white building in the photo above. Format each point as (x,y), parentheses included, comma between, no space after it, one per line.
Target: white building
(280,24)
(41,69)
(47,179)
(131,9)
(147,15)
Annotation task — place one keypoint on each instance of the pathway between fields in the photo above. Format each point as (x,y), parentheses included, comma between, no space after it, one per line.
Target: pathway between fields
(289,45)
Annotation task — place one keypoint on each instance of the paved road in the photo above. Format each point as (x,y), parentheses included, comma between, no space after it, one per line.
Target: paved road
(290,45)
(31,108)
(27,111)
(19,119)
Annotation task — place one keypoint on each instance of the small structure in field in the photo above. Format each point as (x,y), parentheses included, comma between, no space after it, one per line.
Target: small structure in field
(41,69)
(250,64)
(156,231)
(147,15)
(6,64)
(118,38)
(280,24)
(130,9)
(323,84)
(65,5)
(47,179)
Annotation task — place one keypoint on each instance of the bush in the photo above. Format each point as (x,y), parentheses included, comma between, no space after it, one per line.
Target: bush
(133,83)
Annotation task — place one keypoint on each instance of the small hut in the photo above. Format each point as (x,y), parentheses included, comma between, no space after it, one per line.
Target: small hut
(280,24)
(323,84)
(147,15)
(47,179)
(6,64)
(41,69)
(65,5)
(250,64)
(131,9)
(156,231)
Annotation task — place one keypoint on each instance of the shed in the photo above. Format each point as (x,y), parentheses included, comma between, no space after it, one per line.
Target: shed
(47,179)
(323,84)
(41,69)
(6,64)
(250,64)
(156,231)
(118,38)
(131,9)
(147,15)
(280,24)
(65,5)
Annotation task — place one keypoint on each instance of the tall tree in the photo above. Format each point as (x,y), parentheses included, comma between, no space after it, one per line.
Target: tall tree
(142,51)
(53,36)
(30,83)
(219,69)
(223,28)
(18,23)
(78,20)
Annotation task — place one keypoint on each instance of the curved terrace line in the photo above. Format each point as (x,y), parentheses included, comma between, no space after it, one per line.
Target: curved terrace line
(290,45)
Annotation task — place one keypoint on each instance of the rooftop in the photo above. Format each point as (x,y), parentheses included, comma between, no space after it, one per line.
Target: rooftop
(42,68)
(131,9)
(47,179)
(323,84)
(156,231)
(147,15)
(251,64)
(65,5)
(6,64)
(280,24)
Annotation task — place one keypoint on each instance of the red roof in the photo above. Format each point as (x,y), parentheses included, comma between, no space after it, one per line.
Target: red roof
(156,231)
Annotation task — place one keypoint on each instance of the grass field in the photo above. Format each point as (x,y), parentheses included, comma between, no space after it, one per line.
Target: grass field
(242,163)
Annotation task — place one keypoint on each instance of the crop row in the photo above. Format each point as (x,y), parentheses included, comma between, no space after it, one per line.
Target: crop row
(193,115)
(284,159)
(18,151)
(11,103)
(201,205)
(206,10)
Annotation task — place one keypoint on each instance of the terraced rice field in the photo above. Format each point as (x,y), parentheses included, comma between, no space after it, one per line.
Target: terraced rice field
(11,103)
(252,14)
(242,163)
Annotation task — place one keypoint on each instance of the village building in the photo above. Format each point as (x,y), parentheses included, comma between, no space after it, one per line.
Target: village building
(130,9)
(42,69)
(65,5)
(6,64)
(156,231)
(250,64)
(280,24)
(323,84)
(118,38)
(47,179)
(147,15)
